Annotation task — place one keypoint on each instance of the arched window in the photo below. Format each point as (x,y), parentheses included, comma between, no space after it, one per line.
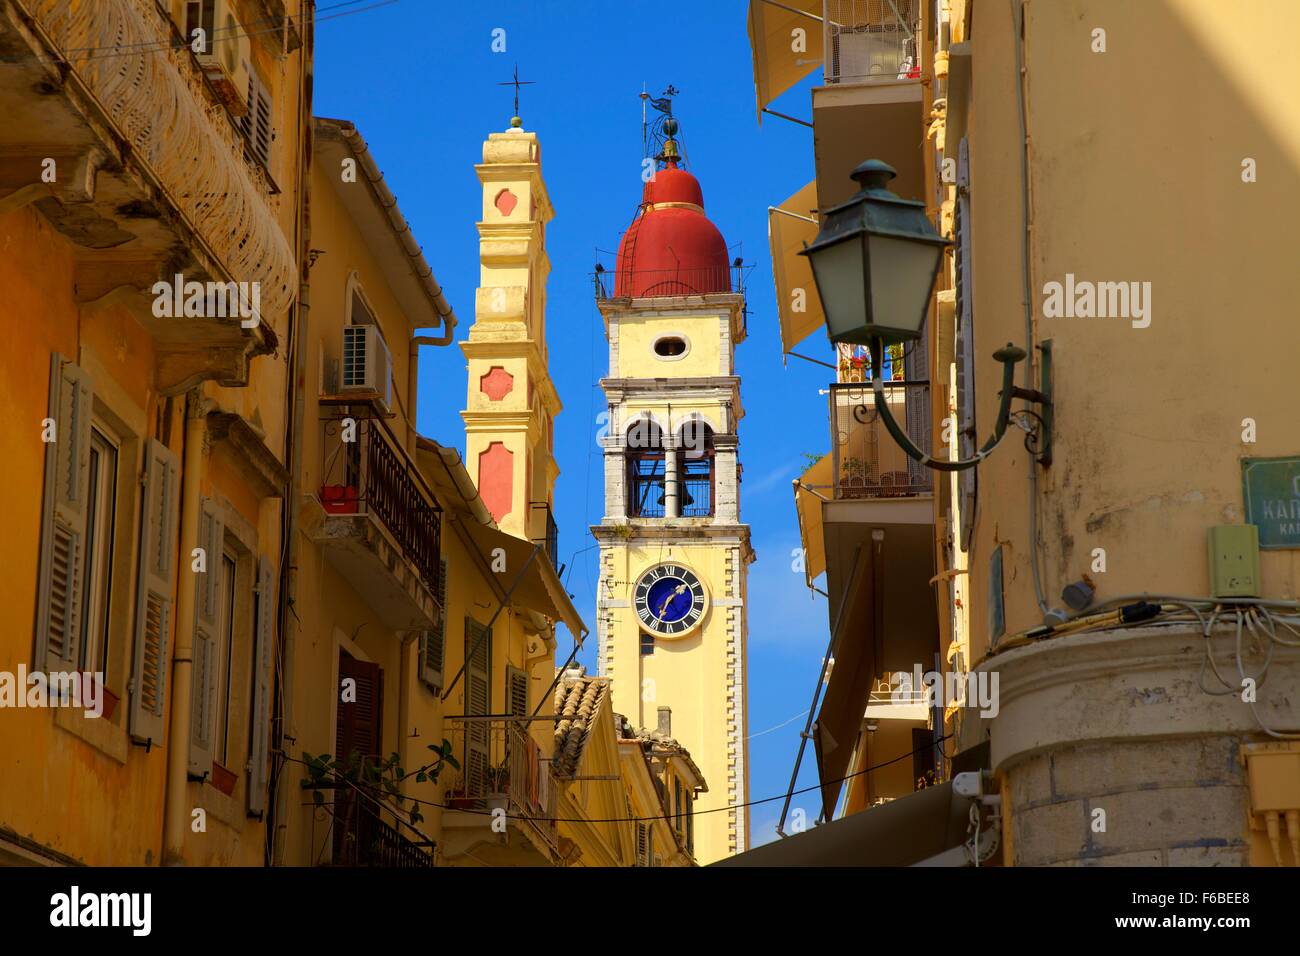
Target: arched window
(645,470)
(695,471)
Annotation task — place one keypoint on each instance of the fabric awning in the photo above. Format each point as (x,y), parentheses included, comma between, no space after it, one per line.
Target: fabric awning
(541,589)
(853,647)
(813,483)
(777,66)
(790,226)
(909,831)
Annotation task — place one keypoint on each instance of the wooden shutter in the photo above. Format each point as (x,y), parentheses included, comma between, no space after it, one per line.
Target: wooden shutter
(256,123)
(965,350)
(360,722)
(61,597)
(478,700)
(159,525)
(433,643)
(207,639)
(642,844)
(263,674)
(516,692)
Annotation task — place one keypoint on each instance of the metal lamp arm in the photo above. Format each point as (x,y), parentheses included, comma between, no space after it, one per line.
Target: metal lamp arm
(1008,356)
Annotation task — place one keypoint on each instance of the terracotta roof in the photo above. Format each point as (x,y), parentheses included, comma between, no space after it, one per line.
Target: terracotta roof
(577,701)
(659,744)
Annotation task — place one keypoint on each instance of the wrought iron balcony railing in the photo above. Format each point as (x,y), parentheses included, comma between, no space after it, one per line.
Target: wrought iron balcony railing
(362,838)
(551,541)
(650,283)
(367,471)
(870,40)
(501,766)
(867,461)
(125,55)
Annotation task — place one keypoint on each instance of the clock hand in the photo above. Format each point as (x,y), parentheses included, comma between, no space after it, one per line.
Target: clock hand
(671,594)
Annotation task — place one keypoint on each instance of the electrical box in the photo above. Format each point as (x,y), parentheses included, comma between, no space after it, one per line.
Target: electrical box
(1234,560)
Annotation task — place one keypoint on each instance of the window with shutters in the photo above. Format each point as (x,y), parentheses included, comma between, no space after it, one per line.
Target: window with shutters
(226,657)
(256,123)
(433,643)
(478,702)
(643,844)
(965,348)
(159,526)
(517,691)
(101,528)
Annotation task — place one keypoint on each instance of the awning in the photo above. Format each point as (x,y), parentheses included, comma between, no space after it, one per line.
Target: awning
(813,483)
(791,226)
(541,589)
(777,66)
(910,831)
(853,647)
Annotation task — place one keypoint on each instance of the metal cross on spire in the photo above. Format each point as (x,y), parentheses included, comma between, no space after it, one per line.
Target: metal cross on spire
(516,83)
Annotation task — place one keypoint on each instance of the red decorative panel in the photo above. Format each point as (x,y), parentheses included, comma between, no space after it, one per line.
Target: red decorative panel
(506,202)
(497,383)
(496,479)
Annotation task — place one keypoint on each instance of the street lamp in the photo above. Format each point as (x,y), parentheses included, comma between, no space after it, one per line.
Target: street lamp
(874,261)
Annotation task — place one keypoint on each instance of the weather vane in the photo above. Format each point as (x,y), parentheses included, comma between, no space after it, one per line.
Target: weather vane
(516,83)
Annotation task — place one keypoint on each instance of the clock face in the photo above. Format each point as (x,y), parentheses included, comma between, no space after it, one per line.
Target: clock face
(669,600)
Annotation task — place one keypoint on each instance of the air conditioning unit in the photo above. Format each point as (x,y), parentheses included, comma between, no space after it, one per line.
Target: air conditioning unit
(225,58)
(367,363)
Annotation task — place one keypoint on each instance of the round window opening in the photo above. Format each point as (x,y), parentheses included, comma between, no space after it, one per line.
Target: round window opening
(670,346)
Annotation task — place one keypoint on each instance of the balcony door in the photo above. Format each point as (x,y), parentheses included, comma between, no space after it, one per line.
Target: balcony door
(359,714)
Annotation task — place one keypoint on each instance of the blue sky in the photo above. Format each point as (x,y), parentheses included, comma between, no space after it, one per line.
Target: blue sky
(420,78)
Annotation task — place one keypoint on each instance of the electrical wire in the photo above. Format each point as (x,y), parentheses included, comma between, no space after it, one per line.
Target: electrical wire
(737,806)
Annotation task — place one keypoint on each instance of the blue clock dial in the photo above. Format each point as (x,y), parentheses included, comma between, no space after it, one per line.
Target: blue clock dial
(669,600)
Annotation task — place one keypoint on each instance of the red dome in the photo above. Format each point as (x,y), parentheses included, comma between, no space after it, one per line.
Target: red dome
(672,248)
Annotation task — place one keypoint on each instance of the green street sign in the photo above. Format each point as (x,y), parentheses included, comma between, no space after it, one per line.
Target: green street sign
(1271,489)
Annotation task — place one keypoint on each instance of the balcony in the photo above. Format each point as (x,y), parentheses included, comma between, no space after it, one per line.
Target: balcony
(379,523)
(867,462)
(894,698)
(871,100)
(551,540)
(151,176)
(362,838)
(502,768)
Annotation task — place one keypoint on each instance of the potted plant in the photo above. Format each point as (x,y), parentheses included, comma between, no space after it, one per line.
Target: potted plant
(223,779)
(339,499)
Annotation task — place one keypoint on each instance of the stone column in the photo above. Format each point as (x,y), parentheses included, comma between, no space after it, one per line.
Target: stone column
(672,494)
(726,486)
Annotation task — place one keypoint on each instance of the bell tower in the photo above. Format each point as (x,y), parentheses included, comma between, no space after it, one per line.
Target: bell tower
(673,552)
(511,403)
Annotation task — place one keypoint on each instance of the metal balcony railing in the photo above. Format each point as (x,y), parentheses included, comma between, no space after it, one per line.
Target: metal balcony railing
(867,461)
(502,766)
(362,838)
(151,88)
(651,283)
(897,689)
(870,40)
(367,471)
(551,541)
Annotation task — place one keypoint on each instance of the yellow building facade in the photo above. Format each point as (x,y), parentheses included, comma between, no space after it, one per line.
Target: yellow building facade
(149,520)
(1083,574)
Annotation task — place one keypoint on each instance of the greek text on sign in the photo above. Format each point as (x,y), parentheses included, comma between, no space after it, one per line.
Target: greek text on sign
(1271,491)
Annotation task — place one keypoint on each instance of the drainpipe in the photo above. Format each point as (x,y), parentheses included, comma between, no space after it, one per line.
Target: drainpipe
(176,811)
